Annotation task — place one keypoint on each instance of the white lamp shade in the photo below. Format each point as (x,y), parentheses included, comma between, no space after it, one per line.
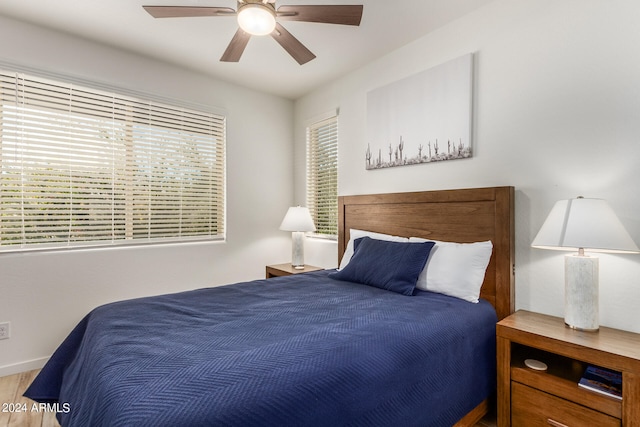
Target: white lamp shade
(590,224)
(256,19)
(297,219)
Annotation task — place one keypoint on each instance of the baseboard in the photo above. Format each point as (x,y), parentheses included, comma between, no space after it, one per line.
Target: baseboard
(29,365)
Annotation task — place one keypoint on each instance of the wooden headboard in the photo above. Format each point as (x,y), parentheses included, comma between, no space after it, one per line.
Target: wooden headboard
(468,215)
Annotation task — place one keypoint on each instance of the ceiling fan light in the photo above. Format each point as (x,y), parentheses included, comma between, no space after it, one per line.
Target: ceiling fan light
(256,19)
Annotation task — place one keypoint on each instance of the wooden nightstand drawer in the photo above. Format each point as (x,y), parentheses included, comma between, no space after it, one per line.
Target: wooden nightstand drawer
(531,407)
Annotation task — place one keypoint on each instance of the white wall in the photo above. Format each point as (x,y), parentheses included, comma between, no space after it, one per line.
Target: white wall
(557,115)
(44,295)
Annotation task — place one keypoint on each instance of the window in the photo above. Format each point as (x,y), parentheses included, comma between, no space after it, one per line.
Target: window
(322,175)
(83,167)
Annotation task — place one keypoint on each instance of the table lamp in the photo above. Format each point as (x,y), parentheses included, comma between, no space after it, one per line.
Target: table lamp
(577,225)
(298,221)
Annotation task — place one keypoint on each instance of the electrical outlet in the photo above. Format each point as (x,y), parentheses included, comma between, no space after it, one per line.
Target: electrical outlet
(5,330)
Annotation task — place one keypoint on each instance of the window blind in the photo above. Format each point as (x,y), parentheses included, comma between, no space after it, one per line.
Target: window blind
(82,167)
(322,175)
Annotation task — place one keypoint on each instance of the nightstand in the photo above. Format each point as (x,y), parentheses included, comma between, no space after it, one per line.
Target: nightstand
(552,397)
(278,270)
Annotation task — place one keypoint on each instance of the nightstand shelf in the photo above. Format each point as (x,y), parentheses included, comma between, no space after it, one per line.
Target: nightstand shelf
(287,269)
(552,397)
(561,379)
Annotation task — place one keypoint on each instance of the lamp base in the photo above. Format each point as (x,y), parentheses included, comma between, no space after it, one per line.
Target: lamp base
(576,328)
(297,250)
(581,310)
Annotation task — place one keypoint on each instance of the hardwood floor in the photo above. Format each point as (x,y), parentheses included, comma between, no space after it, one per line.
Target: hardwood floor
(488,421)
(17,411)
(12,413)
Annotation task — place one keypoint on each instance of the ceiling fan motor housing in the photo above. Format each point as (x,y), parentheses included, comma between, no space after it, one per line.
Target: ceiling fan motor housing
(257,17)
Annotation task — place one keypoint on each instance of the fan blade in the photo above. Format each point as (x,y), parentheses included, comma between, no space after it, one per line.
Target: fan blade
(236,47)
(187,11)
(327,14)
(292,45)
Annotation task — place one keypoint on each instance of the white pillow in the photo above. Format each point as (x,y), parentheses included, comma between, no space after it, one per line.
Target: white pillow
(455,269)
(356,234)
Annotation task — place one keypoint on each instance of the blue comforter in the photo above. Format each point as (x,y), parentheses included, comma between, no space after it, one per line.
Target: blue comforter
(302,350)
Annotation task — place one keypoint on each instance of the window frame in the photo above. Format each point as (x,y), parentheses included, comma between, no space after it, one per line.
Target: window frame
(325,205)
(169,122)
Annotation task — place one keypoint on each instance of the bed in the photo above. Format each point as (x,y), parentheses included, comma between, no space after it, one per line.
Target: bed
(316,349)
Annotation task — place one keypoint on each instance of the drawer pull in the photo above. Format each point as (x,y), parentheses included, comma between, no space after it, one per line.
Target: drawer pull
(554,423)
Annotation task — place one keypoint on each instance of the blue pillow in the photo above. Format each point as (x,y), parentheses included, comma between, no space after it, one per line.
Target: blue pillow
(394,266)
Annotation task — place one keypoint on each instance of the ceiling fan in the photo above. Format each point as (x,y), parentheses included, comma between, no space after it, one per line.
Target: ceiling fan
(259,18)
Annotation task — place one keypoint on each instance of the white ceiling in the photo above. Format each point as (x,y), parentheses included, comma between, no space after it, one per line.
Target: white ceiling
(198,43)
